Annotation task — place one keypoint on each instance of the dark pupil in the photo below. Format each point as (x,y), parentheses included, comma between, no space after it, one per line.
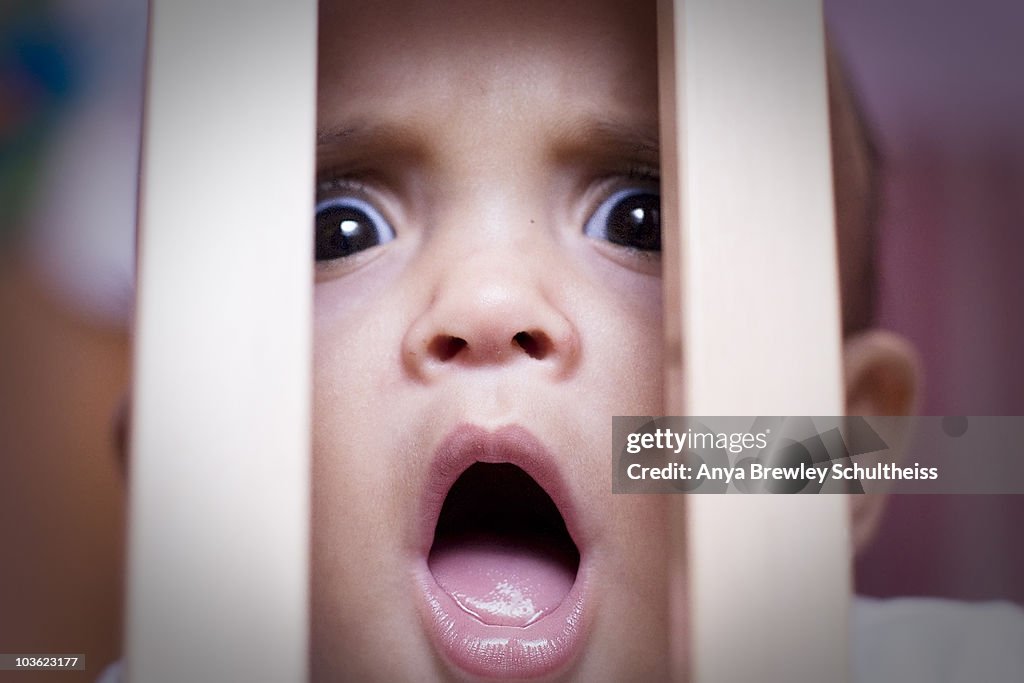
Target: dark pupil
(636,222)
(342,231)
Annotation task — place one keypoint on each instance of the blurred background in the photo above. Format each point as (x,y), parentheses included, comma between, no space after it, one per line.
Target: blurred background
(940,80)
(70,98)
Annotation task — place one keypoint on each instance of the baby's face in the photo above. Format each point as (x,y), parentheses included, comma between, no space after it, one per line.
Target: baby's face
(488,291)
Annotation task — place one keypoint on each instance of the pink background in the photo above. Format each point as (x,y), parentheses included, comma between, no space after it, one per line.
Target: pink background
(943,83)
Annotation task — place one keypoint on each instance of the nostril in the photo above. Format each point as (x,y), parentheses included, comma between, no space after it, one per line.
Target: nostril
(536,344)
(446,347)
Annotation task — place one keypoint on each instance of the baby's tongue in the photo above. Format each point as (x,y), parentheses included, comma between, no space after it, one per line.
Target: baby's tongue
(503,581)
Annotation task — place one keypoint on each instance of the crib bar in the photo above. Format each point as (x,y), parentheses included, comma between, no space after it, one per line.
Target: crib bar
(761,584)
(219,472)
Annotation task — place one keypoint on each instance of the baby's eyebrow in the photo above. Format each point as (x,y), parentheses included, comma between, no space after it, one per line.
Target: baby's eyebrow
(587,138)
(355,132)
(357,140)
(608,139)
(329,136)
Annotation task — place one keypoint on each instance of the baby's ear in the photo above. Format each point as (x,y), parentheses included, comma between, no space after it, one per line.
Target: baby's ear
(882,376)
(881,373)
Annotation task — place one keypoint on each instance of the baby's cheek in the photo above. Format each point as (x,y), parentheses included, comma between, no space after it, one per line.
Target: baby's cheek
(634,612)
(631,374)
(622,337)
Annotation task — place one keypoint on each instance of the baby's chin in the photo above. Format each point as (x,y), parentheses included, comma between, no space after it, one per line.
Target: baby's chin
(501,566)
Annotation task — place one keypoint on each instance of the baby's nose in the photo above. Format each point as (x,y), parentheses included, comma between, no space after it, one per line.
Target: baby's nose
(485,313)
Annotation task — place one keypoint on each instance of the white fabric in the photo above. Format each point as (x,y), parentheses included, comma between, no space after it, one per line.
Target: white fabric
(915,640)
(112,674)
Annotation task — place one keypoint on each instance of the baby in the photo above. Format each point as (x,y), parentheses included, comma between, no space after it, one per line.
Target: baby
(488,295)
(487,244)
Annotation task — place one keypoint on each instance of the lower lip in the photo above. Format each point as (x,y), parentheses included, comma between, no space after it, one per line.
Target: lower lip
(546,646)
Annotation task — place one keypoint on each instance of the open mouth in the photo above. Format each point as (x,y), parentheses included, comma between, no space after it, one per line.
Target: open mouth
(502,571)
(501,549)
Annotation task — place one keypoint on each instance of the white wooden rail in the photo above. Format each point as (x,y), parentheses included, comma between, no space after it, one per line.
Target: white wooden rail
(760,584)
(218,546)
(219,478)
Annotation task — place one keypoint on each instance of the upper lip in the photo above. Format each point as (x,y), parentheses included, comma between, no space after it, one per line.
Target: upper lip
(468,444)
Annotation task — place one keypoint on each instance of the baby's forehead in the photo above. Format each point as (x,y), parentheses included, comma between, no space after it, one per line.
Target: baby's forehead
(440,18)
(472,42)
(445,72)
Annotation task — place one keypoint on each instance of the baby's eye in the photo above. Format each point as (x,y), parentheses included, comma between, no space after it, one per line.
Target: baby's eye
(630,218)
(347,225)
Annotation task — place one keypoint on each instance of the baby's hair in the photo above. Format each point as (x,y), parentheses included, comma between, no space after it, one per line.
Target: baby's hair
(857,167)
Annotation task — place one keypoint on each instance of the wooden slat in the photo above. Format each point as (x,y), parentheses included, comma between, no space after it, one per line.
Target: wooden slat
(219,477)
(761,584)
